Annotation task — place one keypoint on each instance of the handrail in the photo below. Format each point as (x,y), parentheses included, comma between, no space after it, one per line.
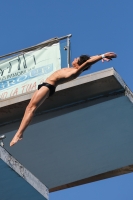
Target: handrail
(42,44)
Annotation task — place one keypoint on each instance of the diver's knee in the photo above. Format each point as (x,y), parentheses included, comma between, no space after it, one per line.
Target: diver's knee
(31,107)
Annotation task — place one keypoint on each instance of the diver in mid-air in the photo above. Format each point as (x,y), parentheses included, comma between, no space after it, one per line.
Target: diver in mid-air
(47,88)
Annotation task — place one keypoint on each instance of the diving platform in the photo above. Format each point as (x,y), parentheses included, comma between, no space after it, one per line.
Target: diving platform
(81,134)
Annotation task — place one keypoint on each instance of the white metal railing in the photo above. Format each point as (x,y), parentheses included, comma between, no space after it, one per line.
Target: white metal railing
(43,44)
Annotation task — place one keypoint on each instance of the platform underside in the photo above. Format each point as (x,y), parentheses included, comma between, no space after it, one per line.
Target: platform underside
(81,134)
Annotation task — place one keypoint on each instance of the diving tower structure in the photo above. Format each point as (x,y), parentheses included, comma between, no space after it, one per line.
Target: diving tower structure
(81,134)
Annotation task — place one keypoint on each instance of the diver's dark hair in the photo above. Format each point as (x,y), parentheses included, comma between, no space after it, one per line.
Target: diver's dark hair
(82,59)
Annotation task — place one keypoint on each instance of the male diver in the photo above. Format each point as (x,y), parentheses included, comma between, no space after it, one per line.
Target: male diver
(47,88)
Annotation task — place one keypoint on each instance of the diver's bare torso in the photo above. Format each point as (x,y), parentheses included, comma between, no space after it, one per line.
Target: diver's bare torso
(62,76)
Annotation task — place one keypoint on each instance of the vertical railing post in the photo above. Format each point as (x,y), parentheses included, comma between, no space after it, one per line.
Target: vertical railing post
(68,51)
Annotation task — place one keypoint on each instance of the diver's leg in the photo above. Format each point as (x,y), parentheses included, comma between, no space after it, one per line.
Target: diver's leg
(37,99)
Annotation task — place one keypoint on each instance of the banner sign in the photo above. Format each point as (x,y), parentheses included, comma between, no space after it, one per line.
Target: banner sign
(23,73)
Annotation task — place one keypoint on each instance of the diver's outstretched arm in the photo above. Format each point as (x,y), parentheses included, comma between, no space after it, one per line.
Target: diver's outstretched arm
(107,57)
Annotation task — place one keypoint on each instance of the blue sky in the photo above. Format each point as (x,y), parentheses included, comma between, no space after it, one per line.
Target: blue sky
(96,27)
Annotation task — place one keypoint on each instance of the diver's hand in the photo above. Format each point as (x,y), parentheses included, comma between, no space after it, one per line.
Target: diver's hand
(108,56)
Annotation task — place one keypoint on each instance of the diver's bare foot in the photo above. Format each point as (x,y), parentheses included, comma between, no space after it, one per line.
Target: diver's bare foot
(16,139)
